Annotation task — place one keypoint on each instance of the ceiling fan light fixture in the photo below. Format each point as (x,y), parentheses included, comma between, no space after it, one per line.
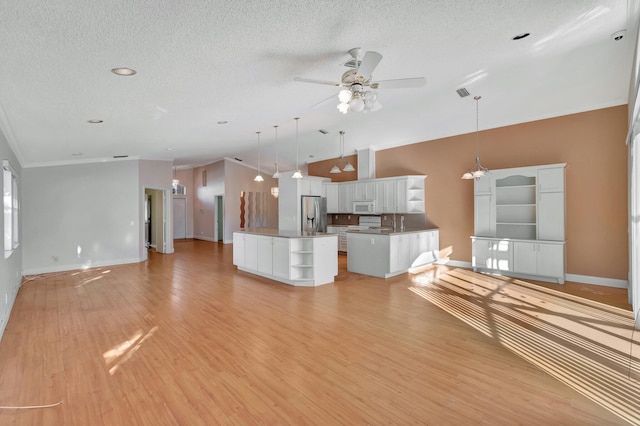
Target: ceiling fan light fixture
(343,108)
(356,104)
(344,96)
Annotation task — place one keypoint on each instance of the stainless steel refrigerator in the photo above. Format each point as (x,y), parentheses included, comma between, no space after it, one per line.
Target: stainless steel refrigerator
(314,214)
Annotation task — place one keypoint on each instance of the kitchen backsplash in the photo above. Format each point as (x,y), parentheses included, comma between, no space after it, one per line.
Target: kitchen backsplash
(411,221)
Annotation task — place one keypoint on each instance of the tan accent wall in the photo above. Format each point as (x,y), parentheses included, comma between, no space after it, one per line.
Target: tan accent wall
(591,143)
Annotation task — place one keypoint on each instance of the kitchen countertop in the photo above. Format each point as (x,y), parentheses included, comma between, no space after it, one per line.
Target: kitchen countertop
(387,231)
(285,234)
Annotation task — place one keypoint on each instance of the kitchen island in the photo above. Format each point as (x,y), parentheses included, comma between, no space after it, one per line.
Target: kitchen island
(294,258)
(385,253)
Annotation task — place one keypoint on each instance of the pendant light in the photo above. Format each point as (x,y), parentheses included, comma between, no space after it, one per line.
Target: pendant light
(479,170)
(297,174)
(175,179)
(276,175)
(258,177)
(348,167)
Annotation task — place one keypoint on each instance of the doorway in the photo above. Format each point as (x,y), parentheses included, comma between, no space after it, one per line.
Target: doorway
(219,224)
(157,220)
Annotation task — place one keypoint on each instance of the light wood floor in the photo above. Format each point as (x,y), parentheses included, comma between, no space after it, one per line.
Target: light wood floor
(185,339)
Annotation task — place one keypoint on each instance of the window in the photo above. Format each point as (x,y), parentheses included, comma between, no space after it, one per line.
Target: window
(11,208)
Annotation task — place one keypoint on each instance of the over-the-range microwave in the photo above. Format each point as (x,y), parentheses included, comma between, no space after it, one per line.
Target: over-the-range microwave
(364,207)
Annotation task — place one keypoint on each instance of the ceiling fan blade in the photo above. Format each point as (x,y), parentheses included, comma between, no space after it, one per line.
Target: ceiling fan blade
(401,83)
(334,96)
(328,83)
(368,64)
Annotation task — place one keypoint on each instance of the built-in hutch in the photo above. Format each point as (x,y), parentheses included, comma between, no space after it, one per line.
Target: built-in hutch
(519,218)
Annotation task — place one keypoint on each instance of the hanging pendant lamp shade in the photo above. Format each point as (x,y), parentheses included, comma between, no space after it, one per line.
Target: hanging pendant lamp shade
(276,175)
(258,177)
(348,167)
(297,174)
(477,171)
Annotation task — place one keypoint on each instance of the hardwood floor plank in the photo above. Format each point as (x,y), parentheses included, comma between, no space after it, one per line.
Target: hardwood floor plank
(188,339)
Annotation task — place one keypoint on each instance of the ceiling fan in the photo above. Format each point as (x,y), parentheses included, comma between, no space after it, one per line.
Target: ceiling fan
(359,90)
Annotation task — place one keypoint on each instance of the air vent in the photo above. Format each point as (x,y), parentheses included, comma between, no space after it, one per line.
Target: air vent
(324,132)
(237,159)
(120,156)
(462,92)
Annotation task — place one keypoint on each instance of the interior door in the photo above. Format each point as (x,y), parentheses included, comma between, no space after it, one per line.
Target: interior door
(179,218)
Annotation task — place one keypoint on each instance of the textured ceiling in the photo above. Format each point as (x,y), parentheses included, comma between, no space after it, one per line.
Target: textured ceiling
(200,62)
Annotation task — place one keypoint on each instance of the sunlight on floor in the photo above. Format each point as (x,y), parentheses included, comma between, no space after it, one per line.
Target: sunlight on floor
(122,352)
(591,347)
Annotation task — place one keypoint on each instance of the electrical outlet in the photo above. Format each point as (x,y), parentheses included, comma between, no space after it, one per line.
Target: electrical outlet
(349,217)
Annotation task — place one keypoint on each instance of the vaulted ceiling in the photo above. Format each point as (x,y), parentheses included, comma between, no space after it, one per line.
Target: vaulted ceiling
(202,62)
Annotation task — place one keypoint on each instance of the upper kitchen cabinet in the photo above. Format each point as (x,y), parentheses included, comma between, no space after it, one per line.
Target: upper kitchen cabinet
(364,190)
(331,191)
(289,204)
(345,197)
(410,194)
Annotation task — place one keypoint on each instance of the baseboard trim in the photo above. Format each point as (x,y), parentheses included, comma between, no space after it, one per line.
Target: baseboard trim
(200,237)
(454,263)
(74,267)
(584,279)
(606,282)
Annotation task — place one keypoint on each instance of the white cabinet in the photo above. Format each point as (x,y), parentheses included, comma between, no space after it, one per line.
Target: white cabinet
(331,192)
(297,261)
(388,255)
(238,249)
(310,186)
(399,251)
(492,255)
(364,190)
(265,254)
(345,197)
(281,257)
(289,205)
(484,218)
(251,251)
(521,204)
(544,259)
(410,194)
(385,198)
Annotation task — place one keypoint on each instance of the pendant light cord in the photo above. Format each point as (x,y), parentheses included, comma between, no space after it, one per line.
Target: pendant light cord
(477,98)
(297,118)
(258,152)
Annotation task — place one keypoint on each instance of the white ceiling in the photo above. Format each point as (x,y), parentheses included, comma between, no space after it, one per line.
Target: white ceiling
(200,62)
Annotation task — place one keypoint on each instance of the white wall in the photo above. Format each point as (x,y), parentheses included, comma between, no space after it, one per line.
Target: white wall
(10,268)
(79,216)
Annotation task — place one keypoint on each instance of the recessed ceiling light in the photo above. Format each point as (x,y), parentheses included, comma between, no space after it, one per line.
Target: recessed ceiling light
(521,36)
(95,121)
(222,122)
(169,149)
(123,71)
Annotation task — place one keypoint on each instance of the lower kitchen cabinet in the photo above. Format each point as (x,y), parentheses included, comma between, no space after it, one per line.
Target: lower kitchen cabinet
(543,260)
(296,261)
(387,255)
